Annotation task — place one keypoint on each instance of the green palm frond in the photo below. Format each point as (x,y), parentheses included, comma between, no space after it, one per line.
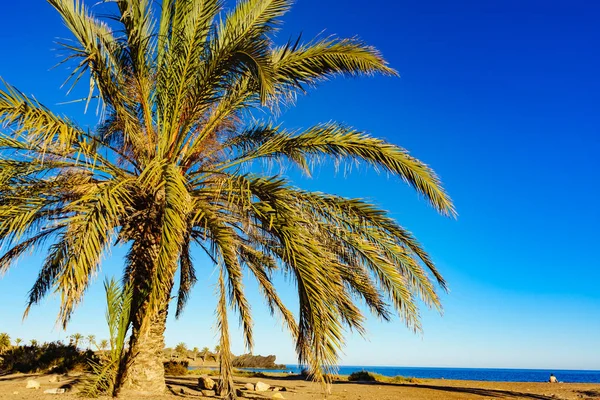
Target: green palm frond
(29,118)
(187,277)
(89,232)
(297,65)
(334,140)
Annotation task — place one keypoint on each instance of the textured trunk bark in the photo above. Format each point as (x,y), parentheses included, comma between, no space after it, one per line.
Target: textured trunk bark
(145,372)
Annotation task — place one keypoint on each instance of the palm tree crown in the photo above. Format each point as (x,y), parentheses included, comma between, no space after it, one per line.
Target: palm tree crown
(167,169)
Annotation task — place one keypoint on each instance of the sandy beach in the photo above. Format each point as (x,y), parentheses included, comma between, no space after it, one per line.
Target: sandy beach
(13,387)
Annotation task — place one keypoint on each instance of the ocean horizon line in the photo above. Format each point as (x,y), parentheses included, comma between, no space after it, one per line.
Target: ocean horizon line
(460,373)
(451,367)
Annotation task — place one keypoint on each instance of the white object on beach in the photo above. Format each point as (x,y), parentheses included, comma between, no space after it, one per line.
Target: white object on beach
(55,391)
(262,387)
(249,386)
(32,384)
(278,395)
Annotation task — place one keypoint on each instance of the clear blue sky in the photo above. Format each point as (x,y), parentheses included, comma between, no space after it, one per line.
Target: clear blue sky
(500,97)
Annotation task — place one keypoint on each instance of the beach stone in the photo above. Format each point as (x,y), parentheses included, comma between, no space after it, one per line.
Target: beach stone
(206,383)
(54,379)
(55,391)
(276,389)
(208,393)
(278,396)
(249,386)
(240,393)
(261,387)
(32,384)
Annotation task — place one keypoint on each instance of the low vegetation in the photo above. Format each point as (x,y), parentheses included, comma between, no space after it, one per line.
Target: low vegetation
(365,376)
(176,368)
(47,357)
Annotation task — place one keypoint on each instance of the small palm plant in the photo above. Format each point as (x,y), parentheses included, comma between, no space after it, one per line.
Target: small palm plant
(18,341)
(109,370)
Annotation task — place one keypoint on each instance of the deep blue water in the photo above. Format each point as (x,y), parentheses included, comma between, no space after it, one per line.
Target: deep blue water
(476,374)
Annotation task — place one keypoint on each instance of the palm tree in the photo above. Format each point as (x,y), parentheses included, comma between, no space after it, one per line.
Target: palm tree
(33,343)
(183,100)
(103,345)
(4,342)
(91,339)
(181,350)
(18,341)
(76,338)
(205,351)
(195,351)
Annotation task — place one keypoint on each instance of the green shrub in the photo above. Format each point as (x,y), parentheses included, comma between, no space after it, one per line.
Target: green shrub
(362,376)
(49,357)
(176,368)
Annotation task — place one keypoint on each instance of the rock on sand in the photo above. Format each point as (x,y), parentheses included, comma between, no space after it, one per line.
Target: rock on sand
(262,387)
(32,384)
(206,383)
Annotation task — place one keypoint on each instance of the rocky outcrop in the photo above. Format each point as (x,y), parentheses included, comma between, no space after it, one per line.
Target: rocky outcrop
(250,361)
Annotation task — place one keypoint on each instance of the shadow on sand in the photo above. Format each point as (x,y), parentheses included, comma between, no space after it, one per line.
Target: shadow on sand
(10,376)
(191,384)
(494,393)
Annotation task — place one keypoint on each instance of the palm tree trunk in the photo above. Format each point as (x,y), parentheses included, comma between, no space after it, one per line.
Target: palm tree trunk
(145,372)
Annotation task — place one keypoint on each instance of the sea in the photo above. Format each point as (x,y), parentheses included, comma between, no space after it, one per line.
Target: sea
(475,374)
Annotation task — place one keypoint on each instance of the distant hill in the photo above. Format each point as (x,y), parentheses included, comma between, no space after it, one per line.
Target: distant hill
(211,359)
(251,361)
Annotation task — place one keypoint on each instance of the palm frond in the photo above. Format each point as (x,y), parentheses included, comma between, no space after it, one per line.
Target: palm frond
(226,385)
(334,140)
(297,65)
(187,277)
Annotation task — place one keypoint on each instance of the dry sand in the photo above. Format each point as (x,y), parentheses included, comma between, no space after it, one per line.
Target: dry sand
(13,387)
